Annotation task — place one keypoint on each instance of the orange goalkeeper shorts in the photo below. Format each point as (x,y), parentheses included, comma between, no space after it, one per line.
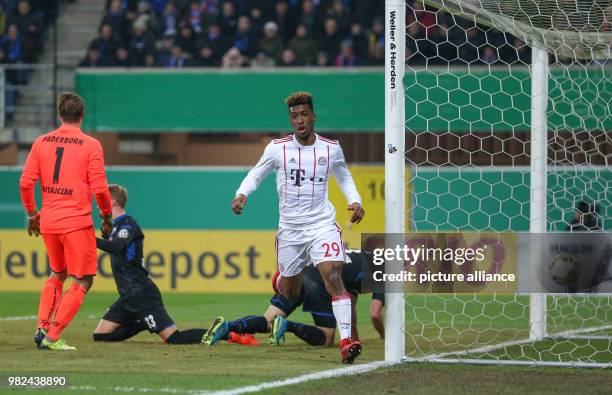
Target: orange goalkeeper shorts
(75,252)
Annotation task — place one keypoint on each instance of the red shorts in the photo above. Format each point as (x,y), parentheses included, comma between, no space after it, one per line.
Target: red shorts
(75,252)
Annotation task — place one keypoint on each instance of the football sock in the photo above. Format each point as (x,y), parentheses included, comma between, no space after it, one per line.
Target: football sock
(249,324)
(67,308)
(341,304)
(49,298)
(310,334)
(121,333)
(189,336)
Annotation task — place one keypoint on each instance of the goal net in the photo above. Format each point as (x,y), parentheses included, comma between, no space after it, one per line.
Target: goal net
(503,112)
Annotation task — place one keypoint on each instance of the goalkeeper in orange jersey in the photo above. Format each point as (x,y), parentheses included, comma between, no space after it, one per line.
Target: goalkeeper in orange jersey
(70,167)
(140,306)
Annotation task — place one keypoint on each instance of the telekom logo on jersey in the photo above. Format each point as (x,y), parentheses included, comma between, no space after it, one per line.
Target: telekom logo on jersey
(302,177)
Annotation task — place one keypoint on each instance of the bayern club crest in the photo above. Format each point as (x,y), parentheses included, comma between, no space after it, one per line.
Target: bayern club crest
(322,161)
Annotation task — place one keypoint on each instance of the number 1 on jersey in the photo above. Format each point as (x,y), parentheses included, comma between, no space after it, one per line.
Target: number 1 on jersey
(59,153)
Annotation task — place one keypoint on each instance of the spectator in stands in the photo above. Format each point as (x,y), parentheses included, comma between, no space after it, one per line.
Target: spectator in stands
(158,6)
(309,18)
(26,19)
(365,11)
(377,55)
(12,45)
(149,60)
(234,59)
(322,59)
(377,36)
(330,41)
(228,19)
(122,57)
(244,39)
(489,55)
(30,26)
(519,52)
(262,61)
(106,43)
(346,57)
(169,20)
(468,49)
(359,41)
(257,22)
(147,16)
(210,12)
(115,17)
(304,47)
(340,13)
(187,39)
(287,59)
(195,16)
(164,51)
(271,44)
(177,59)
(206,58)
(215,40)
(93,58)
(284,20)
(2,18)
(142,43)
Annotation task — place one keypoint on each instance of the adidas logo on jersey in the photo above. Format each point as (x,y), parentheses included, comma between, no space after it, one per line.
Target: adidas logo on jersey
(292,160)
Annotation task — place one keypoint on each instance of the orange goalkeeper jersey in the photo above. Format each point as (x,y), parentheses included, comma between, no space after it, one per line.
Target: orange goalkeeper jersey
(70,166)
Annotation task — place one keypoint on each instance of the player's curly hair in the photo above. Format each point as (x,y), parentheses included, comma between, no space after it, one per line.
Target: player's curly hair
(119,193)
(297,98)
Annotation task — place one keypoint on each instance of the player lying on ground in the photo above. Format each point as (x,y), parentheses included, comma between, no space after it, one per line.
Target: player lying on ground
(140,304)
(70,167)
(315,300)
(308,233)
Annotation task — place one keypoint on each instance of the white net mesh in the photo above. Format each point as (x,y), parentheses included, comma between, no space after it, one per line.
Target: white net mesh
(468,87)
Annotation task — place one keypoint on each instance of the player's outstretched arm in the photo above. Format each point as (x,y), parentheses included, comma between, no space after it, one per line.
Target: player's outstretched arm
(252,180)
(109,246)
(341,172)
(98,183)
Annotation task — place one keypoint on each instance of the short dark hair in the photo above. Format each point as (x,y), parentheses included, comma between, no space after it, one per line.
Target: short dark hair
(297,98)
(119,193)
(71,107)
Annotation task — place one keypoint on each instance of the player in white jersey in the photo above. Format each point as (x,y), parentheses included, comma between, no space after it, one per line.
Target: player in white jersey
(308,233)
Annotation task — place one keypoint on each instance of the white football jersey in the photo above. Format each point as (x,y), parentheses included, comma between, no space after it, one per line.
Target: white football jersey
(302,180)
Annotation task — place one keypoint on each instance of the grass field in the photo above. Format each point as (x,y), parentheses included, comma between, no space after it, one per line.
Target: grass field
(144,364)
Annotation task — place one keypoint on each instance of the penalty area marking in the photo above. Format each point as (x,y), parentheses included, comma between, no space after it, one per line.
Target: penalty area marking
(327,374)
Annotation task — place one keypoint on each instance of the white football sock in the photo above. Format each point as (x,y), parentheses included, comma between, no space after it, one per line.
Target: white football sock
(341,304)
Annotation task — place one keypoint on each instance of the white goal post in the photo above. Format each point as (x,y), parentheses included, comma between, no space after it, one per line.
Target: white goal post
(498,117)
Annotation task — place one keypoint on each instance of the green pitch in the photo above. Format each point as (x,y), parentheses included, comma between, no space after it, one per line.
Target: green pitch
(144,363)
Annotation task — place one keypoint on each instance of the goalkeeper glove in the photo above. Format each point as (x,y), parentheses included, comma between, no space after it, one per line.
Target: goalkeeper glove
(34,223)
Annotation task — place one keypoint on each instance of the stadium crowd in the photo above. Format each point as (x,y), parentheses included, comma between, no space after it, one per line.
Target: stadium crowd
(268,33)
(23,24)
